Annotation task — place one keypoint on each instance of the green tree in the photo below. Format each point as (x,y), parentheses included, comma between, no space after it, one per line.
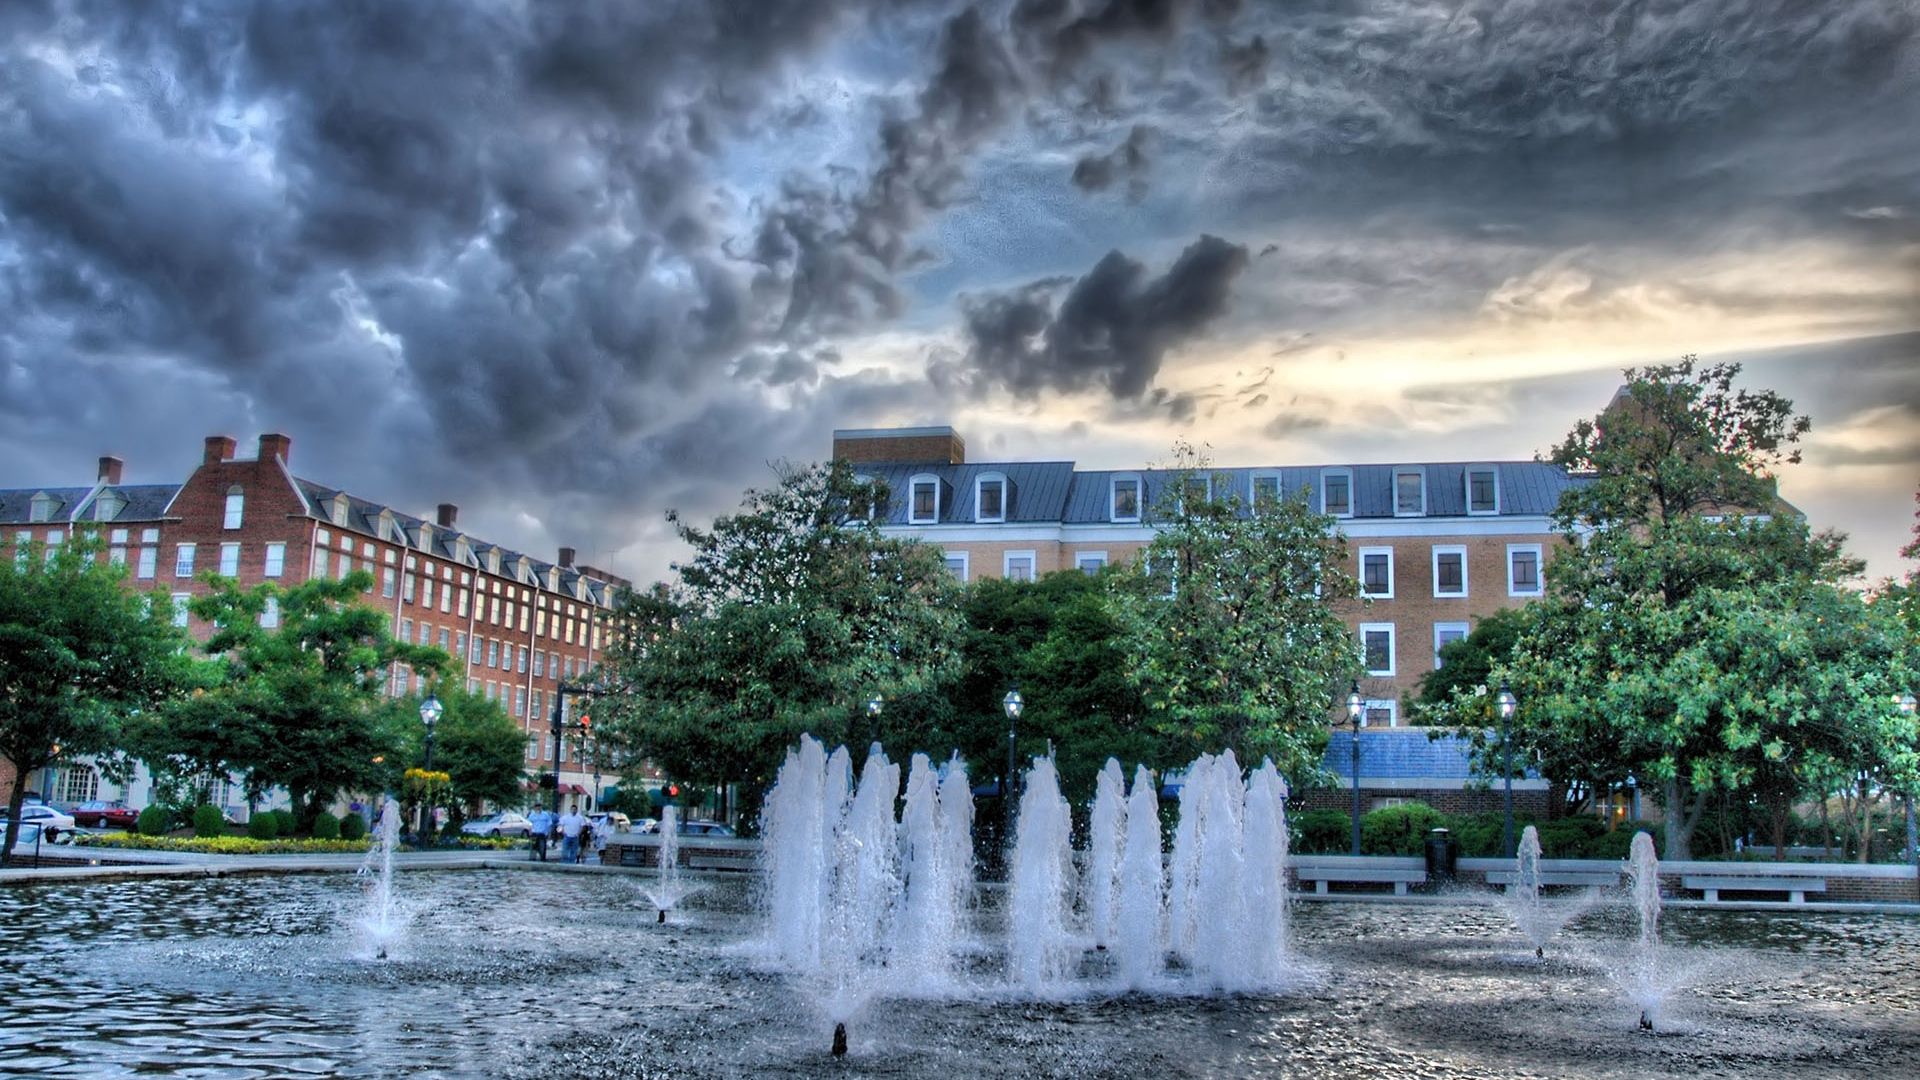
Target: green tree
(298,704)
(482,750)
(1230,625)
(1696,635)
(1467,664)
(789,616)
(78,653)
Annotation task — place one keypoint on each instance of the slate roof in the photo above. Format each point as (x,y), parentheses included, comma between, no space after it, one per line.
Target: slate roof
(16,506)
(144,502)
(1056,492)
(1400,756)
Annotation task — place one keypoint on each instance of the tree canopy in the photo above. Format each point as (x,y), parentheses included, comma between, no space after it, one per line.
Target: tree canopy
(482,750)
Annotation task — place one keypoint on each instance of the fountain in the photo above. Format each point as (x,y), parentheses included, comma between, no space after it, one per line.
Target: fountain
(1644,985)
(1537,918)
(381,923)
(1105,832)
(1040,950)
(1140,933)
(668,891)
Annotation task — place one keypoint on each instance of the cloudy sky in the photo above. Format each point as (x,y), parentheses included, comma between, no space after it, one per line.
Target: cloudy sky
(569,265)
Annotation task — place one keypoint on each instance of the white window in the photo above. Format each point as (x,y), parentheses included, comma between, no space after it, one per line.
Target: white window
(1449,570)
(1123,498)
(180,608)
(1376,572)
(957,565)
(183,561)
(1264,489)
(1336,492)
(117,553)
(1523,570)
(493,653)
(1196,490)
(443,639)
(923,502)
(406,631)
(990,498)
(149,552)
(520,701)
(276,560)
(79,783)
(1090,562)
(229,560)
(108,506)
(426,591)
(521,666)
(236,507)
(338,512)
(1483,489)
(319,562)
(539,664)
(1376,648)
(1380,712)
(270,615)
(342,567)
(1409,492)
(1444,634)
(389,582)
(41,508)
(1018,566)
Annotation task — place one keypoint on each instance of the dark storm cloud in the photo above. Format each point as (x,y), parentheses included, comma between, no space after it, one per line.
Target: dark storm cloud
(1128,162)
(1111,329)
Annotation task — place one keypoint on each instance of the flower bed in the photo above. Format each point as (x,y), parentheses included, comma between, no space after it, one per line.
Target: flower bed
(222,845)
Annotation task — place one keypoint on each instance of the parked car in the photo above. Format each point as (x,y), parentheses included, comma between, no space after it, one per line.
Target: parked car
(53,821)
(104,814)
(504,823)
(621,823)
(31,834)
(647,825)
(704,828)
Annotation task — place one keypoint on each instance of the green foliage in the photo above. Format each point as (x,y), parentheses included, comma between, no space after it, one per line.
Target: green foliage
(353,827)
(263,825)
(78,653)
(1467,665)
(223,845)
(480,748)
(631,800)
(1248,651)
(326,826)
(153,821)
(208,821)
(790,615)
(1398,830)
(1321,832)
(285,822)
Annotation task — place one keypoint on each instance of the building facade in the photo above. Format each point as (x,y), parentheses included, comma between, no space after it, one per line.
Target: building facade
(516,626)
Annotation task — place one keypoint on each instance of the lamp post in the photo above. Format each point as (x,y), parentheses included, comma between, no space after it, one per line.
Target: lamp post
(1013,703)
(559,721)
(1906,703)
(875,705)
(1506,702)
(430,711)
(1356,714)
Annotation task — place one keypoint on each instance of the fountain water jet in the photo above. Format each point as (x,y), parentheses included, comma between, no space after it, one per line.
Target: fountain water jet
(1105,833)
(1139,930)
(382,922)
(1039,950)
(668,891)
(1643,886)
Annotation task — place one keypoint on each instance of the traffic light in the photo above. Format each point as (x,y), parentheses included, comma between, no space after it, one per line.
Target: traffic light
(673,791)
(586,726)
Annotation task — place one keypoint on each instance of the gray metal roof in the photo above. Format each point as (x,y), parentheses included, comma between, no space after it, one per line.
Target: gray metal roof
(144,502)
(16,506)
(1037,490)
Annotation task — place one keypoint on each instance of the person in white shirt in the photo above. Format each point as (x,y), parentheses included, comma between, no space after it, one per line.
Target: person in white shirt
(571,823)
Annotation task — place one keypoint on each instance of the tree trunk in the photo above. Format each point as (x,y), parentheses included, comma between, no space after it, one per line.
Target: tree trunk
(1684,808)
(1826,829)
(15,799)
(1780,810)
(1867,803)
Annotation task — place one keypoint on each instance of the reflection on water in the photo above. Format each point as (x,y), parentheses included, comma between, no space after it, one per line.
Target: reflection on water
(525,975)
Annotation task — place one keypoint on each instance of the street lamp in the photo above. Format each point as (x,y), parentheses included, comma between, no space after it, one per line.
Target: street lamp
(1013,703)
(1906,704)
(1356,712)
(1506,703)
(430,711)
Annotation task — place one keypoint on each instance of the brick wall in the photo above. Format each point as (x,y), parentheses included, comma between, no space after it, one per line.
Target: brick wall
(1446,800)
(947,447)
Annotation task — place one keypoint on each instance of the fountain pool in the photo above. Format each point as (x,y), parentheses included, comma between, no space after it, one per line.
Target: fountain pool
(528,974)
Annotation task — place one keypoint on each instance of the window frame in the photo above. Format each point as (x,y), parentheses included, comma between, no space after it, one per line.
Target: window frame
(1465,585)
(1363,553)
(1467,492)
(914,516)
(1080,557)
(1114,515)
(184,555)
(1253,487)
(1539,569)
(1465,629)
(235,511)
(1033,564)
(274,563)
(1393,649)
(1347,474)
(979,485)
(1391,705)
(1409,470)
(966,564)
(230,559)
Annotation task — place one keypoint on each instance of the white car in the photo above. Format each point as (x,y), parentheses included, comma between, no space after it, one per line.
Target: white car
(504,823)
(52,821)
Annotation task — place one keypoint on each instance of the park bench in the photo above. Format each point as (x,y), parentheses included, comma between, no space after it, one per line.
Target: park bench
(1399,879)
(1796,886)
(1599,879)
(696,861)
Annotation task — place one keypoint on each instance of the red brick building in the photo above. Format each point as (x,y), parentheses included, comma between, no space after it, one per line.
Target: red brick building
(516,626)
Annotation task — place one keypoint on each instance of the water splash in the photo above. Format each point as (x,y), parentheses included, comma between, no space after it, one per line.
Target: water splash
(666,893)
(1140,931)
(1107,825)
(1539,919)
(1040,952)
(1643,979)
(383,918)
(936,860)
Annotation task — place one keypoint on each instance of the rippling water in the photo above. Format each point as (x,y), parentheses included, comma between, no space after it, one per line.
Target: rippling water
(526,975)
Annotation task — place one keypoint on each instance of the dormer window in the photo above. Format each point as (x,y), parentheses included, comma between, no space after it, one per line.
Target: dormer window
(1409,492)
(108,506)
(493,561)
(42,508)
(1123,498)
(1265,489)
(990,498)
(339,510)
(1483,489)
(236,507)
(1336,492)
(384,528)
(924,500)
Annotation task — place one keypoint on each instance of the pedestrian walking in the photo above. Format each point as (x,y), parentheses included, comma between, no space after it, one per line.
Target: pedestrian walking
(571,824)
(542,821)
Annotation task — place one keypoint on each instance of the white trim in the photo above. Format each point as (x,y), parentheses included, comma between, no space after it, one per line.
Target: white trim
(1466,483)
(1139,497)
(966,564)
(1409,470)
(912,499)
(1363,553)
(1006,489)
(1393,648)
(1441,627)
(1253,485)
(1078,556)
(1033,564)
(1324,473)
(1539,569)
(1100,532)
(1465,585)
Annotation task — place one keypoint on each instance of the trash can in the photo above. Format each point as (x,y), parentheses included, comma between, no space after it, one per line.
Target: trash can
(1442,855)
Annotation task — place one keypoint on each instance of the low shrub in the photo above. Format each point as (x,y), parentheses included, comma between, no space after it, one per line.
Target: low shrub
(221,845)
(153,821)
(1568,838)
(1398,830)
(1321,832)
(353,827)
(264,825)
(208,821)
(326,827)
(285,822)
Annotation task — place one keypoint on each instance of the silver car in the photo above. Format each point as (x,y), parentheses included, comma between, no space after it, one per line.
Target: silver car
(504,823)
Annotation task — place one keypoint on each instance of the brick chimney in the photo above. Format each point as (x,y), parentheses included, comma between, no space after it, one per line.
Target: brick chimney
(566,558)
(110,470)
(917,445)
(448,514)
(274,445)
(219,449)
